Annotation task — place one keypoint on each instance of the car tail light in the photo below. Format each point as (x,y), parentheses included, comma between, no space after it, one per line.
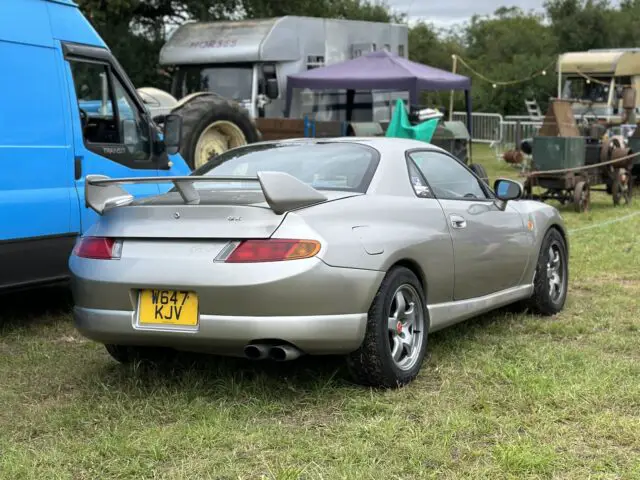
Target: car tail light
(272,250)
(99,248)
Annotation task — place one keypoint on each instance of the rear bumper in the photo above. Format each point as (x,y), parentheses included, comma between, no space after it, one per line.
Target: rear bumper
(296,288)
(317,334)
(318,308)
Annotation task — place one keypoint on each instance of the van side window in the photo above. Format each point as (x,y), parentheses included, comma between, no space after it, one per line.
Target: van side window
(111,123)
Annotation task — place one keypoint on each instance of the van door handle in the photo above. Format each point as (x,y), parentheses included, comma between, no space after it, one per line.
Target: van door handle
(77,167)
(457,221)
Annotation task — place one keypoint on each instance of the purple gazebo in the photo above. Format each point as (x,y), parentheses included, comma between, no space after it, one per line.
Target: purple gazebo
(380,70)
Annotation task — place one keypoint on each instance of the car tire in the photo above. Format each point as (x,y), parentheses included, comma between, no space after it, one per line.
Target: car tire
(129,354)
(545,300)
(373,363)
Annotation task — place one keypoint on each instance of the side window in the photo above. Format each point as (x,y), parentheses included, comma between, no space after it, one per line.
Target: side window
(111,122)
(134,130)
(97,116)
(420,187)
(447,177)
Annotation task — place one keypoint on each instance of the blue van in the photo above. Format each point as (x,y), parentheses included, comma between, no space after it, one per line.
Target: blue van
(67,109)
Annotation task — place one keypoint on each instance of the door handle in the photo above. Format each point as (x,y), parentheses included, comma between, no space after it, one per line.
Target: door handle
(457,221)
(77,167)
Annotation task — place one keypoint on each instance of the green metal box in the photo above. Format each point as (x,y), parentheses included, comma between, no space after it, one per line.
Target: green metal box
(555,153)
(451,130)
(454,138)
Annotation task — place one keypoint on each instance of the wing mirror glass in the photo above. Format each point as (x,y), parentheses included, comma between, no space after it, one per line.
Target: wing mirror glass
(507,189)
(172,133)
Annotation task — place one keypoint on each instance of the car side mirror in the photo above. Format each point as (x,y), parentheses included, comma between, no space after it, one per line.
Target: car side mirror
(271,88)
(506,189)
(172,133)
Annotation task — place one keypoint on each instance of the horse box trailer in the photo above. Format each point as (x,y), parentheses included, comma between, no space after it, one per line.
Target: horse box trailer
(247,62)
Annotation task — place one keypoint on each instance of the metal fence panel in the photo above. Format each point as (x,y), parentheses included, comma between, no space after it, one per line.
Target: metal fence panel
(527,129)
(485,126)
(495,129)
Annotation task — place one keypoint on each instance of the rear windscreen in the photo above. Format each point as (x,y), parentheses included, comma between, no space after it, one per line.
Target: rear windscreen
(325,166)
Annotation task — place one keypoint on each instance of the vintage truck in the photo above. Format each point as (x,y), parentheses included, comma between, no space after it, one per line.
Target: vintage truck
(594,81)
(602,86)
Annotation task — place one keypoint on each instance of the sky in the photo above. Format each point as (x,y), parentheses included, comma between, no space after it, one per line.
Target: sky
(444,13)
(448,12)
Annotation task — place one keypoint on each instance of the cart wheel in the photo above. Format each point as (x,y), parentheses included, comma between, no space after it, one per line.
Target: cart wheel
(621,187)
(581,196)
(563,196)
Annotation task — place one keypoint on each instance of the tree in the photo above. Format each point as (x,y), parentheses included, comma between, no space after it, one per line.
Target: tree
(582,24)
(135,30)
(511,45)
(435,47)
(346,9)
(626,21)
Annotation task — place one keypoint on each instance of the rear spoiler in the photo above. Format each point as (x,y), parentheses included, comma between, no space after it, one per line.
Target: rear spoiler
(283,192)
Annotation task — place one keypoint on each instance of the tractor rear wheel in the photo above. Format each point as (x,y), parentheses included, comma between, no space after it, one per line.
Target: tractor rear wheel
(211,125)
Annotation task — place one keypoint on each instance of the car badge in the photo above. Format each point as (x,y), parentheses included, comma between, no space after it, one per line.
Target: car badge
(176,215)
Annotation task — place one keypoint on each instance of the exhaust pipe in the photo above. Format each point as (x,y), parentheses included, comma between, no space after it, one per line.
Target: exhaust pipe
(282,353)
(256,351)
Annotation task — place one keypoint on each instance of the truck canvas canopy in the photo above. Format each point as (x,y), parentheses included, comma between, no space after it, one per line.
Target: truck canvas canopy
(615,63)
(594,80)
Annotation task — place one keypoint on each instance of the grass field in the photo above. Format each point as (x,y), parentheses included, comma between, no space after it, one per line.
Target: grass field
(502,396)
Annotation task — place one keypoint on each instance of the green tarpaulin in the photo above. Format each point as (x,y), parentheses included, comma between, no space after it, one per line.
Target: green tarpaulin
(400,126)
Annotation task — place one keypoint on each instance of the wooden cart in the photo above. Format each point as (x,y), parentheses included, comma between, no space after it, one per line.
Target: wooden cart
(569,164)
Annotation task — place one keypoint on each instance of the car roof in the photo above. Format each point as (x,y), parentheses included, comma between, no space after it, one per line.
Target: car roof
(391,176)
(379,143)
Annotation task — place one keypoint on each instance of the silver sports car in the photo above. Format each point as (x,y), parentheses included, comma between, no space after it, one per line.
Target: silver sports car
(353,246)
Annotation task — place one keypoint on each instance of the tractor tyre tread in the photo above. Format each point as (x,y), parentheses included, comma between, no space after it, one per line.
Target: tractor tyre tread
(202,111)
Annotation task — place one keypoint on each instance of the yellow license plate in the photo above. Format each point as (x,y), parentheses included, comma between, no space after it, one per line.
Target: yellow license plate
(168,307)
